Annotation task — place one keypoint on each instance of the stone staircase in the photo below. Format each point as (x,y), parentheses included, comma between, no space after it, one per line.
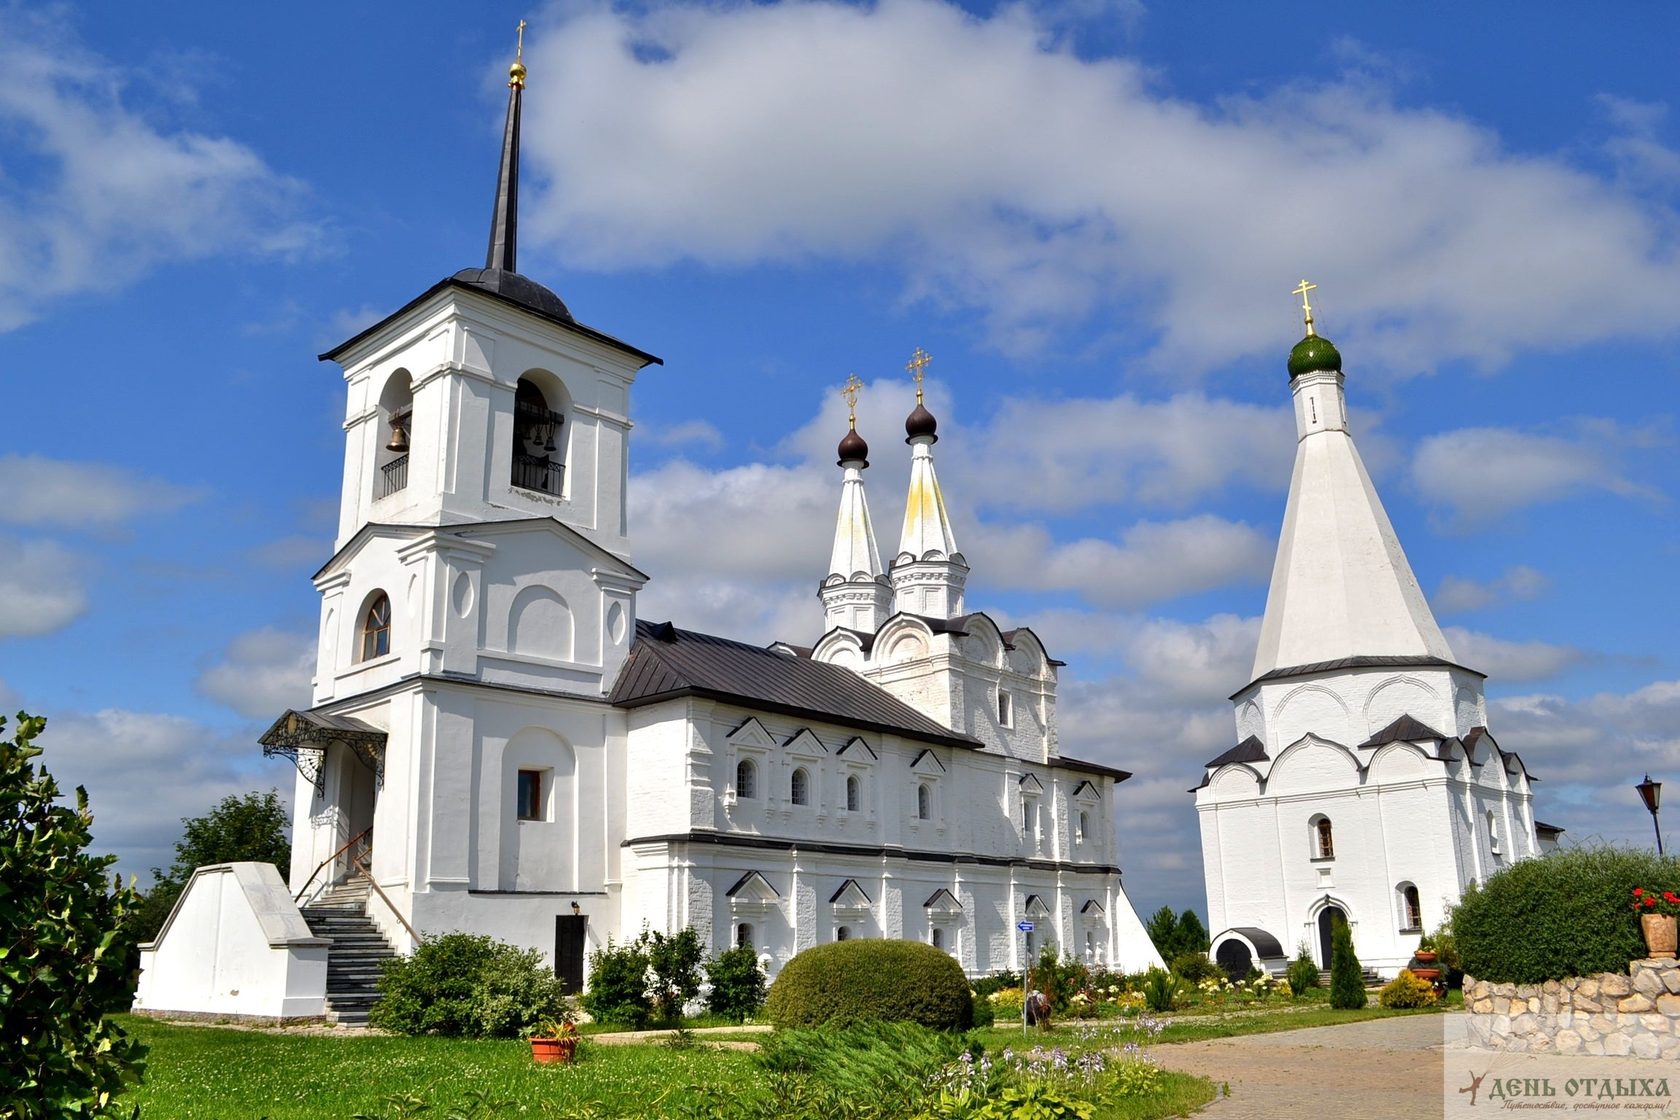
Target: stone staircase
(358,949)
(1372,980)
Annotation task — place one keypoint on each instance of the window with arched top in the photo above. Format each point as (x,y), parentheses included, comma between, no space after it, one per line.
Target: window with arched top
(799,787)
(1411,909)
(1005,708)
(924,802)
(843,933)
(744,936)
(746,778)
(396,428)
(1323,838)
(1084,831)
(854,793)
(1493,832)
(1029,819)
(538,440)
(376,628)
(937,938)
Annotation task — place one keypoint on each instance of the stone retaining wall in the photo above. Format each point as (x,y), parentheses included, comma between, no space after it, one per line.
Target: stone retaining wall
(1636,1015)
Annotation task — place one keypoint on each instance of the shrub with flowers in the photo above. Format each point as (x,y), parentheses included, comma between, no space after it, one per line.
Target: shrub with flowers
(1655,902)
(1006,1003)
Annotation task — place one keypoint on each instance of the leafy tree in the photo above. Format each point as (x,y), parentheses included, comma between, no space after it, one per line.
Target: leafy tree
(737,983)
(1192,935)
(674,960)
(252,827)
(1162,928)
(62,952)
(1347,980)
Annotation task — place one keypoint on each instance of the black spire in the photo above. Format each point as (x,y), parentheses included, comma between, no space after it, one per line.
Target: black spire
(500,273)
(504,219)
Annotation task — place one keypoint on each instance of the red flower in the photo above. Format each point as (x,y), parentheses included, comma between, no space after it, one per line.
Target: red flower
(1649,901)
(1637,891)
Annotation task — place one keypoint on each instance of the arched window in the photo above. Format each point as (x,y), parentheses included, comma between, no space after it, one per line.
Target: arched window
(1090,945)
(799,788)
(376,628)
(744,936)
(1029,819)
(1493,832)
(1084,826)
(746,778)
(843,933)
(1324,845)
(396,426)
(1411,912)
(924,802)
(538,461)
(1006,709)
(937,938)
(854,793)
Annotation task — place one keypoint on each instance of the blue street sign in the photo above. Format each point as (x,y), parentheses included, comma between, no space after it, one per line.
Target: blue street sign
(1024,926)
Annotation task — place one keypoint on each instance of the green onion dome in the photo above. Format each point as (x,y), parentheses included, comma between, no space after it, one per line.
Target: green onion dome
(1314,355)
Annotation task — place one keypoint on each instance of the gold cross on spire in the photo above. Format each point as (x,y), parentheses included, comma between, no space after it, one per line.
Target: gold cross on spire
(917,363)
(850,391)
(516,72)
(1306,308)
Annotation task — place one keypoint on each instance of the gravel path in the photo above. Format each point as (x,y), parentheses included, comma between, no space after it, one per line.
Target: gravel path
(1377,1069)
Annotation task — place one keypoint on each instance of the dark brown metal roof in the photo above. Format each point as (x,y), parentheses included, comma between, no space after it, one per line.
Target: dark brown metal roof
(1548,829)
(1403,730)
(666,662)
(1250,749)
(1384,661)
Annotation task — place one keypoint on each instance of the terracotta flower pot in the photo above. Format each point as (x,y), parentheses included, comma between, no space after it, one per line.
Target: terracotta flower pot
(1433,975)
(544,1050)
(1659,931)
(1426,956)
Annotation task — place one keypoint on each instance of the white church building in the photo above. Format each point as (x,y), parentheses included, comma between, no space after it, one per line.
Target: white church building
(503,746)
(1365,785)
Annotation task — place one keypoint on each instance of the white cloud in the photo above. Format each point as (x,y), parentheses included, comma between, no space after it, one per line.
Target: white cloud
(296,551)
(698,433)
(749,523)
(1504,660)
(1153,560)
(1460,593)
(1001,170)
(40,587)
(36,490)
(1483,473)
(261,673)
(98,194)
(183,768)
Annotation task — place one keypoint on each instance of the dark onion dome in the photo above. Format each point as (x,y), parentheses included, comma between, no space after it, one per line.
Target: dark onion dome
(853,448)
(1314,355)
(522,290)
(920,423)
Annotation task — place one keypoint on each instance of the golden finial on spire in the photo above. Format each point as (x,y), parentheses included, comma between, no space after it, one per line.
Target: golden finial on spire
(917,363)
(516,72)
(1306,308)
(850,391)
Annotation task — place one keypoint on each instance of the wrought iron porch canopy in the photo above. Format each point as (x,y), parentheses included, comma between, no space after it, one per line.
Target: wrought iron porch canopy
(304,737)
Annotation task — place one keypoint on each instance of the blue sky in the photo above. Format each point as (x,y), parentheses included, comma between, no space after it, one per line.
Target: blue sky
(1090,213)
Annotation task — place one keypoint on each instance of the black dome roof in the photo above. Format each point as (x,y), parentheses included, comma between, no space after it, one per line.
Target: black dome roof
(520,289)
(853,447)
(920,422)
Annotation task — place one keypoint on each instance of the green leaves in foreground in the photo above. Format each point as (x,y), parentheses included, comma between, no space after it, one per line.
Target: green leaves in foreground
(63,965)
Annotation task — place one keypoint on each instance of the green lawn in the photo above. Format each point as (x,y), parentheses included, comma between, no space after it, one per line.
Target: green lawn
(1072,1034)
(216,1073)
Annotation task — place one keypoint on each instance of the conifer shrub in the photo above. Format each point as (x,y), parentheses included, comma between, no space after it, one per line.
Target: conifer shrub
(1347,979)
(1564,914)
(1196,966)
(463,985)
(1407,990)
(848,982)
(1303,972)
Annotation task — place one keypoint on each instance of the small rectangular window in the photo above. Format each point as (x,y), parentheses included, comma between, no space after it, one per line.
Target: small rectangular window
(530,795)
(1006,709)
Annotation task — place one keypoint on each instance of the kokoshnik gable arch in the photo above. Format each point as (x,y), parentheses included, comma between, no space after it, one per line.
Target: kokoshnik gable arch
(1365,786)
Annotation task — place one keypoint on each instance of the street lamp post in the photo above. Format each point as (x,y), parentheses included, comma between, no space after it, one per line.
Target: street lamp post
(1651,793)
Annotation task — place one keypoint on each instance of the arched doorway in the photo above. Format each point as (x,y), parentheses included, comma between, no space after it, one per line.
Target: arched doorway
(1327,921)
(1233,956)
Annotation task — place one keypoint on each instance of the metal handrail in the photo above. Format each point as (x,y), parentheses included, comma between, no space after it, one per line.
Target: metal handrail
(365,834)
(391,906)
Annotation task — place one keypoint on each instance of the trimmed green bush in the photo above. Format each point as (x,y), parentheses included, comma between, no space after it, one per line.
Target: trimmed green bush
(1347,977)
(618,987)
(1407,990)
(464,985)
(847,982)
(1303,972)
(1565,914)
(737,984)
